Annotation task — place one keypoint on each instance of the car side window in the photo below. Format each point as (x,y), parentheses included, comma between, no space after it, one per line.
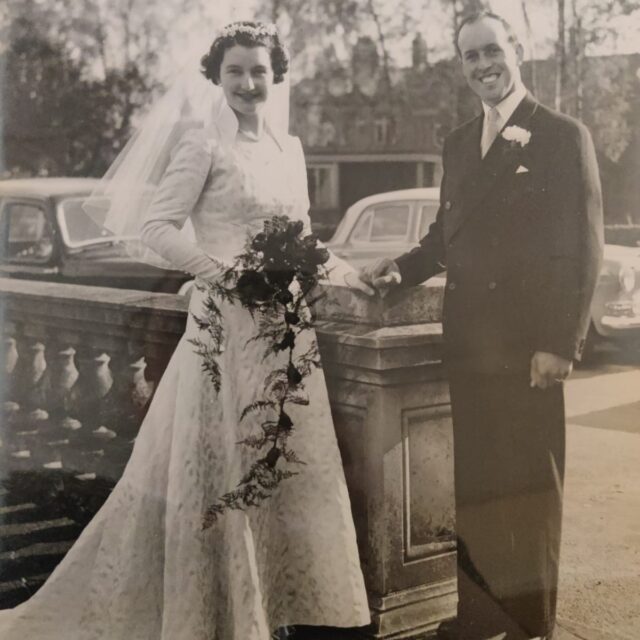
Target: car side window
(428,213)
(27,232)
(386,222)
(362,227)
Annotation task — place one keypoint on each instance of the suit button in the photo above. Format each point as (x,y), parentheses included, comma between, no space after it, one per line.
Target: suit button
(448,205)
(492,285)
(452,286)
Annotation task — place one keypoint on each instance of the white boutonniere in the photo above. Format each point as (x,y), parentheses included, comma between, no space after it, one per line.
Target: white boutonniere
(517,135)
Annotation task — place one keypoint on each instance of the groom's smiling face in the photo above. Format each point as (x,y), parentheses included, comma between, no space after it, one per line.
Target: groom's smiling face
(490,59)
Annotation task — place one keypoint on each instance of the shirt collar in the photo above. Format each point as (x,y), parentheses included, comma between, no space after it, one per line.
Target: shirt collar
(226,122)
(507,107)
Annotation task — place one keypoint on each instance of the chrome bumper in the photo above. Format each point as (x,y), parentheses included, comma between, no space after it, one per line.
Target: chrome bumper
(620,323)
(622,315)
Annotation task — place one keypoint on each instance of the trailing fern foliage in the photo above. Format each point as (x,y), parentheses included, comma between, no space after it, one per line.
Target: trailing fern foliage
(272,279)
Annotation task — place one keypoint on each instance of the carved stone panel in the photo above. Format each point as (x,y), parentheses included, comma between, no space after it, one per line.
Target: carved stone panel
(429,509)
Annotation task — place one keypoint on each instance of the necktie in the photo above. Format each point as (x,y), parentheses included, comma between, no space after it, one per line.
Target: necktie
(490,130)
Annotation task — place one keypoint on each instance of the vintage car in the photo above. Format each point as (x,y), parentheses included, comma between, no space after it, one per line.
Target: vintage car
(46,235)
(388,224)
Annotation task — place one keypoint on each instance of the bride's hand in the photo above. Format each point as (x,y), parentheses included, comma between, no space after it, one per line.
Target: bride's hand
(353,281)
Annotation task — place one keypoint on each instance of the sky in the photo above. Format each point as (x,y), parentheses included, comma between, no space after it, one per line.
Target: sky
(542,14)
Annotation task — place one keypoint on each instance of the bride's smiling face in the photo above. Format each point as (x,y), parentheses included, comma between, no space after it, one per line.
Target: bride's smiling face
(246,77)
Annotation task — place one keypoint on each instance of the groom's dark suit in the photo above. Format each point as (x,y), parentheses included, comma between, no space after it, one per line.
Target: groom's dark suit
(520,235)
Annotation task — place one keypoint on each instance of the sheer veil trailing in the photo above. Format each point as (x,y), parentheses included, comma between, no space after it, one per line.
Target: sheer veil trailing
(122,198)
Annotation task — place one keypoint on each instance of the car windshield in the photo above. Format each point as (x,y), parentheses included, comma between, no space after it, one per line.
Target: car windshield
(77,227)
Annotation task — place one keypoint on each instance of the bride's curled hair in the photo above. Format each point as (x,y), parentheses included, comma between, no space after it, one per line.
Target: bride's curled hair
(246,34)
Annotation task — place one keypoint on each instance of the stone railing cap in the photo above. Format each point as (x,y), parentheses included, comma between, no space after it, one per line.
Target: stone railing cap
(412,306)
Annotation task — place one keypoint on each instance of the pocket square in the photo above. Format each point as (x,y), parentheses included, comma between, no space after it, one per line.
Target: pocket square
(522,169)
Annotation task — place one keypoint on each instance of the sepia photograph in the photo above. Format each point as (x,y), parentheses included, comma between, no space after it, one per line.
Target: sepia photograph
(320,320)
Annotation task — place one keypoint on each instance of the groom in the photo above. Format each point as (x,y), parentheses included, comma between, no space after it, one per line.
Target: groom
(519,232)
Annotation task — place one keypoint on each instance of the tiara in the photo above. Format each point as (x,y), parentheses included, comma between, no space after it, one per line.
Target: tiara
(261,30)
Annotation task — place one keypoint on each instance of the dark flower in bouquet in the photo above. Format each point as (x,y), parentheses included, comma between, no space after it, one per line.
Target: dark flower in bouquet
(272,279)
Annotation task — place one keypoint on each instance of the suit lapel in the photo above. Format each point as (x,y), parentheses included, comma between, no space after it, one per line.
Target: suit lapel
(482,174)
(468,169)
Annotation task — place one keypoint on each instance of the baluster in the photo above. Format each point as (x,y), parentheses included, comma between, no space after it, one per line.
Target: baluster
(24,418)
(157,359)
(94,383)
(87,406)
(10,407)
(129,394)
(141,388)
(29,374)
(54,435)
(121,417)
(10,355)
(62,376)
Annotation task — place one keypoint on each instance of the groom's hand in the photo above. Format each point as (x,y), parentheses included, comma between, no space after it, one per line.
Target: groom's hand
(383,275)
(548,369)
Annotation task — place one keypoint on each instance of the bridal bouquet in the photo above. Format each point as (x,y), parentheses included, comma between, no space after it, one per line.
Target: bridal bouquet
(272,278)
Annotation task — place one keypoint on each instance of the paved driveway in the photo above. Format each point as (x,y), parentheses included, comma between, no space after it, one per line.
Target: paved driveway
(600,562)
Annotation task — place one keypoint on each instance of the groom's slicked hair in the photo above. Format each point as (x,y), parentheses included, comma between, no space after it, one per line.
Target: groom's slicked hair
(476,16)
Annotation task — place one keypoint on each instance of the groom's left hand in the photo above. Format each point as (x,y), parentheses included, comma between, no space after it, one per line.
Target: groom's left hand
(548,369)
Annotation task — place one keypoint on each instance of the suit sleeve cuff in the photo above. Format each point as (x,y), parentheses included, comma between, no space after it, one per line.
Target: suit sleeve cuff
(568,352)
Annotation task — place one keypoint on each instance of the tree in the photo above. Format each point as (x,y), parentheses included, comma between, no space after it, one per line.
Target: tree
(561,57)
(58,122)
(594,89)
(108,63)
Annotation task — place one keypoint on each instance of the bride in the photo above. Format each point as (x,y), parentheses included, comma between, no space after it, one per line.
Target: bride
(144,569)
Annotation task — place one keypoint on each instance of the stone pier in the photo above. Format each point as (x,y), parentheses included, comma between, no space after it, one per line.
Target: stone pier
(390,402)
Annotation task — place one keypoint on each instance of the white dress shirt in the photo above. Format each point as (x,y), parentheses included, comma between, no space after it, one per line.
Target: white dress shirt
(503,111)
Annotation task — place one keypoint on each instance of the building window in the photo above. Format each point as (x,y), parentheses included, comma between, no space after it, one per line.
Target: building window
(384,131)
(322,186)
(381,130)
(426,174)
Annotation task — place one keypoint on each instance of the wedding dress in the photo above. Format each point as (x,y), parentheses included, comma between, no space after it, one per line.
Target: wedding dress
(143,569)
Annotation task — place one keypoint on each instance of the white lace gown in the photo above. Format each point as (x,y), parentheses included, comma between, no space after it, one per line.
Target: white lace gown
(143,569)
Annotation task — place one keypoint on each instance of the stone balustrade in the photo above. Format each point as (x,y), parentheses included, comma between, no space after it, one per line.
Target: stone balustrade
(80,364)
(79,368)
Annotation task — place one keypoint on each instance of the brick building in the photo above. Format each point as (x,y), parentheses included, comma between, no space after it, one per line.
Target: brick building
(367,129)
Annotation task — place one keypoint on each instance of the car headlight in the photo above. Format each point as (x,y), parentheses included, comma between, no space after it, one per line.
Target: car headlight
(627,277)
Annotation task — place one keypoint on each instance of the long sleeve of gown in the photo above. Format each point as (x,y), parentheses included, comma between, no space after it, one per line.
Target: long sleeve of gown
(336,267)
(173,202)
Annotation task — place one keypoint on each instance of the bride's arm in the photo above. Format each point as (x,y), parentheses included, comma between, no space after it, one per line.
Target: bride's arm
(173,202)
(340,272)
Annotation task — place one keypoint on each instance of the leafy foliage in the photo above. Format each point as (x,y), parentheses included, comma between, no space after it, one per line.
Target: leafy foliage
(58,121)
(271,279)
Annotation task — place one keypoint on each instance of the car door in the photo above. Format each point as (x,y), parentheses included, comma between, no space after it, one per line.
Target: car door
(426,216)
(27,240)
(427,211)
(382,230)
